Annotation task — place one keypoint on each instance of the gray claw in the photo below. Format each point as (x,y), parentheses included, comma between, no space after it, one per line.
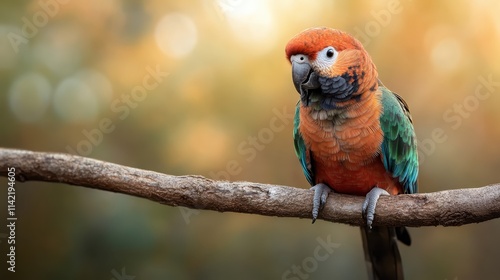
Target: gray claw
(321,192)
(370,203)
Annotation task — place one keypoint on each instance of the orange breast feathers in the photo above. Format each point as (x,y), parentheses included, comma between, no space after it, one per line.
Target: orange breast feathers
(346,148)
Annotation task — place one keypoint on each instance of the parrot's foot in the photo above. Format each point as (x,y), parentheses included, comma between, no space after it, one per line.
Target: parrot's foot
(321,192)
(370,204)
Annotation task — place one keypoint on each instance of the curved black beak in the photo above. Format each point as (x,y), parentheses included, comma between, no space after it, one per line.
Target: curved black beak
(304,79)
(300,73)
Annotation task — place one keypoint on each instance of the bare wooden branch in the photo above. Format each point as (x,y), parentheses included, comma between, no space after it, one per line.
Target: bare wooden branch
(447,208)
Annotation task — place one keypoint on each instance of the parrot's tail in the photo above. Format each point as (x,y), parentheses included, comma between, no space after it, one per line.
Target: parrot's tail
(381,251)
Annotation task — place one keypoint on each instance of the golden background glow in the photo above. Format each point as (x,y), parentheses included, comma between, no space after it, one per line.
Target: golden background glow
(203,87)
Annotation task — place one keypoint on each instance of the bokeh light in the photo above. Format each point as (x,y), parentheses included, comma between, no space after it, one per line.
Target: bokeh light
(60,48)
(176,35)
(97,83)
(75,102)
(446,54)
(251,23)
(29,97)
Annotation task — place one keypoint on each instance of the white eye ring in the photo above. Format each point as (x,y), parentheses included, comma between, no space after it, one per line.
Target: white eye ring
(299,58)
(327,56)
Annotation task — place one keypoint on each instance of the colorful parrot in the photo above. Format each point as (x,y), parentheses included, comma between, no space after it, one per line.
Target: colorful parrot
(352,135)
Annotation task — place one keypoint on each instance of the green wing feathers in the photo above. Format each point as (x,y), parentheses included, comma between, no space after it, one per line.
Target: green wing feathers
(399,148)
(300,147)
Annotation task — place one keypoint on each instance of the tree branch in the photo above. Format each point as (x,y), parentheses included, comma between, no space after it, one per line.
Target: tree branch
(447,208)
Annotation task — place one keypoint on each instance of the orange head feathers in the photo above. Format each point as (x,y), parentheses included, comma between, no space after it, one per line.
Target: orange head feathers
(310,41)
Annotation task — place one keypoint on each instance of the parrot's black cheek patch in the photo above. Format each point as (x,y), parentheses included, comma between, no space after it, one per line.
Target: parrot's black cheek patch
(340,88)
(337,88)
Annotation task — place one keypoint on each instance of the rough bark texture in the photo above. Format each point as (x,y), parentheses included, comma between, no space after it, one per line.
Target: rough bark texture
(448,208)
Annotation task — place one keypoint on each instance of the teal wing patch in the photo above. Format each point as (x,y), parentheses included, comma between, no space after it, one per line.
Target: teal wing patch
(301,150)
(399,148)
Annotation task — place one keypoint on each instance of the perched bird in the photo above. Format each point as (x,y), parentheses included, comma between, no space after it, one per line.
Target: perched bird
(352,135)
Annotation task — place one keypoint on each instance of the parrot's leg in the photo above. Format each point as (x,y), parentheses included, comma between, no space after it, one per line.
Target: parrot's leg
(370,203)
(321,192)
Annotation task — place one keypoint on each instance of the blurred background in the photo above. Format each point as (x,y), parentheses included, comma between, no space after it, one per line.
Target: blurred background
(203,87)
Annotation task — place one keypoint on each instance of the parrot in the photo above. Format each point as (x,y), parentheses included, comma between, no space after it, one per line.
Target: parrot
(352,135)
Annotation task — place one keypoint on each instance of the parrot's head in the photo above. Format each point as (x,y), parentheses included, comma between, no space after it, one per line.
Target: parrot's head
(330,68)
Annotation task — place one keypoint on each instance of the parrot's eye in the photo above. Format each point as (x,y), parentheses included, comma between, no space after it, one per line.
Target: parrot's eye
(327,56)
(330,53)
(299,58)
